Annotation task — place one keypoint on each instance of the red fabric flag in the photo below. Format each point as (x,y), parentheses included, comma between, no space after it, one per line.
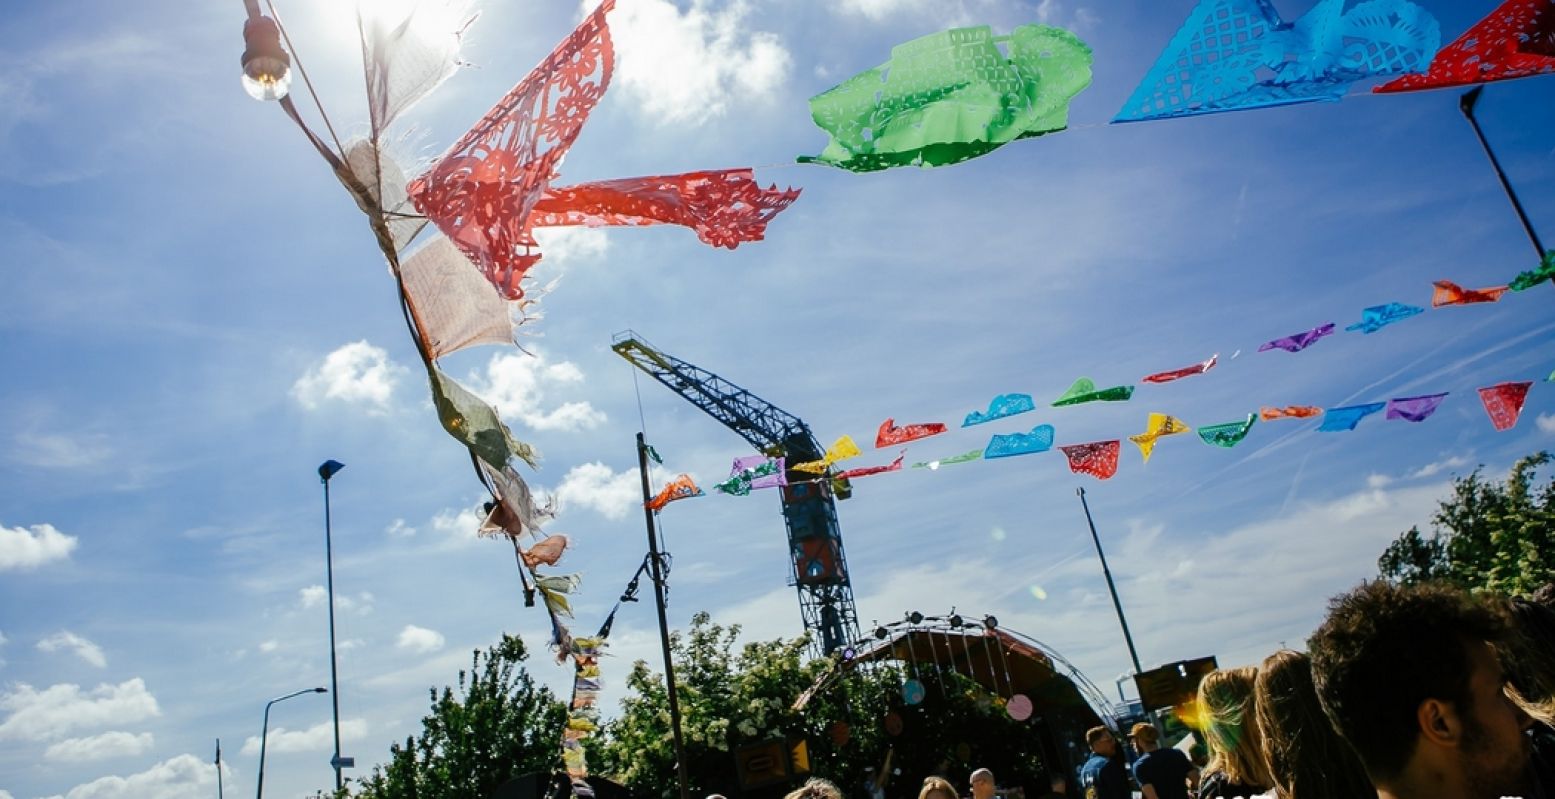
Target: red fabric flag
(1504,402)
(1517,40)
(725,207)
(1098,459)
(866,471)
(891,435)
(481,193)
(1186,371)
(1289,412)
(1450,293)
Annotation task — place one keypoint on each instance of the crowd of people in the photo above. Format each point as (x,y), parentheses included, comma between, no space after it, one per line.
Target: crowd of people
(1406,692)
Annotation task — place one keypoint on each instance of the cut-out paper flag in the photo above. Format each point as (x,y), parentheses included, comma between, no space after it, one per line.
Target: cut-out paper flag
(965,457)
(481,192)
(841,450)
(1236,54)
(1338,420)
(682,487)
(1504,402)
(951,96)
(1517,40)
(1299,341)
(1002,406)
(753,472)
(1269,414)
(1098,459)
(866,471)
(453,307)
(1228,434)
(1544,272)
(890,435)
(1186,371)
(1379,316)
(1450,293)
(1040,439)
(475,423)
(1157,426)
(1414,409)
(1084,390)
(726,207)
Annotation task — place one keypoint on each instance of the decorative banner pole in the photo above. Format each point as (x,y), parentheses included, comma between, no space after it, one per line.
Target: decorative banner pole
(1129,639)
(1466,104)
(655,571)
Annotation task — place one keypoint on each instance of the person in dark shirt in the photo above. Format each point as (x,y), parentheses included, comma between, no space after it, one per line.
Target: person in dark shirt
(1161,773)
(1103,776)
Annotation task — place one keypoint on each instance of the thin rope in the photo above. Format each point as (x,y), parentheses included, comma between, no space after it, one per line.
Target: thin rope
(306,82)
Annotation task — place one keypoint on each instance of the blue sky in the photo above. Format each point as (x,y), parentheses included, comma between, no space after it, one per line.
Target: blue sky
(197,316)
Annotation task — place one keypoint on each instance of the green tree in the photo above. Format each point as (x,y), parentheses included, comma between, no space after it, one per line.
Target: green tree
(498,726)
(1487,535)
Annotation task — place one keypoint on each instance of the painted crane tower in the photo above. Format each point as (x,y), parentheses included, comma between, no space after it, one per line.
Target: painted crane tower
(820,572)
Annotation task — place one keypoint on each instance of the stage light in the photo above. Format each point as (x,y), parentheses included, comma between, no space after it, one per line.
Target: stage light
(990,622)
(881,633)
(955,620)
(915,617)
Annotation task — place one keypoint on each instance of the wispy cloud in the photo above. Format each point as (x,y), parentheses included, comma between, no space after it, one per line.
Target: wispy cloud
(100,747)
(358,374)
(30,548)
(317,738)
(82,648)
(61,451)
(315,595)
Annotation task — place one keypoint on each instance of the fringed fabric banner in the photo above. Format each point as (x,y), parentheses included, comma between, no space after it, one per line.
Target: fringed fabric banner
(1299,341)
(1449,293)
(406,60)
(1269,414)
(1236,54)
(840,450)
(546,552)
(951,96)
(1414,409)
(555,589)
(1228,434)
(582,711)
(1157,426)
(1098,459)
(1084,390)
(1001,407)
(725,207)
(1504,402)
(1040,439)
(453,306)
(1178,374)
(481,193)
(890,435)
(1338,420)
(869,471)
(1517,40)
(1544,272)
(374,172)
(476,424)
(1379,316)
(682,487)
(515,511)
(965,457)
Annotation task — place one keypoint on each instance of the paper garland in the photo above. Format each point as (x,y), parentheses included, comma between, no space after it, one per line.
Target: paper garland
(475,424)
(1040,439)
(1228,434)
(753,472)
(1544,272)
(725,207)
(1516,40)
(1379,316)
(1504,402)
(868,471)
(1269,414)
(841,450)
(965,457)
(1098,459)
(1157,426)
(1178,374)
(1337,420)
(890,435)
(1414,409)
(1299,341)
(1001,407)
(1084,390)
(682,487)
(1449,293)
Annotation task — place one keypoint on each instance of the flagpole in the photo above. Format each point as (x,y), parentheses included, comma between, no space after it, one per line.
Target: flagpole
(1466,105)
(220,790)
(656,573)
(1117,605)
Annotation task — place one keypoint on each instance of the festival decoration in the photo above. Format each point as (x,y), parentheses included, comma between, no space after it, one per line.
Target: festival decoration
(1516,40)
(965,457)
(1157,426)
(1040,439)
(1002,406)
(1237,54)
(1228,434)
(1269,414)
(725,207)
(682,487)
(753,472)
(515,511)
(1299,341)
(1450,293)
(1178,374)
(453,307)
(546,552)
(1545,271)
(1098,459)
(1084,390)
(1337,420)
(951,96)
(555,589)
(1504,402)
(867,471)
(1414,409)
(890,435)
(1379,316)
(840,450)
(476,424)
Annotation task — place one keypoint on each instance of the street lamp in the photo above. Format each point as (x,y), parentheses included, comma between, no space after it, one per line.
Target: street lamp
(264,734)
(327,469)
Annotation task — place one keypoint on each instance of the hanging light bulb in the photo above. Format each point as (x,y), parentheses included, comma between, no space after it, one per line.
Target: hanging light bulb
(267,69)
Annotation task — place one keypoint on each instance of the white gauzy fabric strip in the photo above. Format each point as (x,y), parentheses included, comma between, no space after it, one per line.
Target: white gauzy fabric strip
(454,304)
(407,57)
(388,193)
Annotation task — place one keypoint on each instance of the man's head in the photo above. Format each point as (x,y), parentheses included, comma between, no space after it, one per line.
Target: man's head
(1101,741)
(1145,736)
(1409,677)
(982,784)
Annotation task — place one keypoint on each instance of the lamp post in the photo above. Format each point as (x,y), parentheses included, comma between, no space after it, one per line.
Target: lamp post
(327,469)
(1466,104)
(1116,605)
(264,734)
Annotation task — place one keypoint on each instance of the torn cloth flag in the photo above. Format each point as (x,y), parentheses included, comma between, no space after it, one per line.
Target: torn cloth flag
(682,487)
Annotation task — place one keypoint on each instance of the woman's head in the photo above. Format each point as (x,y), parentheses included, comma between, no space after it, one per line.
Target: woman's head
(937,788)
(1306,757)
(1230,728)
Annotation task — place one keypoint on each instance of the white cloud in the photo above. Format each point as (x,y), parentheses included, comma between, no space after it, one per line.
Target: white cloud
(100,747)
(181,777)
(964,13)
(1546,422)
(269,646)
(315,595)
(399,529)
(685,68)
(84,649)
(59,451)
(320,737)
(57,710)
(1433,469)
(356,373)
(564,246)
(311,596)
(20,549)
(458,524)
(595,485)
(419,639)
(517,384)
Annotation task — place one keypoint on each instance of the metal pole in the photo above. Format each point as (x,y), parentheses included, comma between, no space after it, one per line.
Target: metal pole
(329,567)
(220,789)
(664,629)
(1129,639)
(1466,105)
(264,734)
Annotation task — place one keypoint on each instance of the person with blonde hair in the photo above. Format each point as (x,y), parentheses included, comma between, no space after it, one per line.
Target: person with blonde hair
(1228,720)
(1306,756)
(816,788)
(937,788)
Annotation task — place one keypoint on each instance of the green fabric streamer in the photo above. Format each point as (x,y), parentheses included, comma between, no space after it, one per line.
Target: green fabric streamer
(653,454)
(974,455)
(1084,390)
(1545,271)
(951,96)
(476,424)
(1229,434)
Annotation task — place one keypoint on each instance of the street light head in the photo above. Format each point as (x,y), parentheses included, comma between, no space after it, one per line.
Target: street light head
(321,690)
(267,69)
(327,469)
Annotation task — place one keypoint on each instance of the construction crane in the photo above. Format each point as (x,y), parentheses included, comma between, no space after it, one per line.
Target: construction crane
(820,572)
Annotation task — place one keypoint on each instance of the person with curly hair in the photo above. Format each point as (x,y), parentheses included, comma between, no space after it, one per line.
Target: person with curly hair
(1410,677)
(1306,757)
(937,788)
(816,788)
(1236,768)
